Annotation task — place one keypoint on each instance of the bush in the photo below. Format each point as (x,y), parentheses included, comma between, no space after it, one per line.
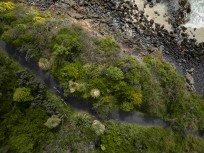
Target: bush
(22,95)
(53,122)
(74,86)
(98,127)
(9,17)
(114,73)
(67,43)
(39,20)
(44,64)
(107,45)
(95,93)
(8,36)
(6,6)
(23,39)
(70,71)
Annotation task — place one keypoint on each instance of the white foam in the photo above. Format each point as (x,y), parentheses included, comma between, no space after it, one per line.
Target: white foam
(197,14)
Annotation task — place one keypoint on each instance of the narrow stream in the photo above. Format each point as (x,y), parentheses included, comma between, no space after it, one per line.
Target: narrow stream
(79,104)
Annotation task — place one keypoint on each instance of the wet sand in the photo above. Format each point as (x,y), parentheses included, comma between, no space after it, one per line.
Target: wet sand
(162,18)
(198,33)
(158,13)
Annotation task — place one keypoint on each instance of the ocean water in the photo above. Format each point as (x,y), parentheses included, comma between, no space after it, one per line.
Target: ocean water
(197,14)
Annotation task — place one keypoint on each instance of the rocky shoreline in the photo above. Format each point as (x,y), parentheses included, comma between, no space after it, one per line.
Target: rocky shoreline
(139,35)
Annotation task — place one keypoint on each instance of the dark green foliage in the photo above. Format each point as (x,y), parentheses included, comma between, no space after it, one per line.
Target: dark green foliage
(67,43)
(21,129)
(23,39)
(25,131)
(8,17)
(7,83)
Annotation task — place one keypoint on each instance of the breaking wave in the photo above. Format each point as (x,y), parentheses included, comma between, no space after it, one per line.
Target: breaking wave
(197,14)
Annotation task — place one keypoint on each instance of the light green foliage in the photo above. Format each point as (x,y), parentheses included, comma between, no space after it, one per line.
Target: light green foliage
(91,71)
(137,98)
(21,27)
(107,45)
(60,50)
(67,43)
(114,73)
(22,95)
(74,86)
(82,119)
(53,122)
(6,6)
(71,71)
(39,20)
(98,127)
(44,64)
(127,106)
(8,36)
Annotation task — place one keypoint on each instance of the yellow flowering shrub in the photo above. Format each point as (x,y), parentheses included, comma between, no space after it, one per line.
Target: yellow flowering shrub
(137,98)
(6,6)
(39,19)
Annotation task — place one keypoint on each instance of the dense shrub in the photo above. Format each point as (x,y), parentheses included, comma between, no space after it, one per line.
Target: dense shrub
(53,122)
(44,64)
(22,95)
(114,73)
(107,45)
(71,71)
(98,127)
(83,65)
(6,6)
(67,43)
(129,138)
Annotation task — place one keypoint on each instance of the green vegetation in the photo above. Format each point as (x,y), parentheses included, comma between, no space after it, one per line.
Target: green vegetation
(128,138)
(22,95)
(21,127)
(53,122)
(35,120)
(47,125)
(96,70)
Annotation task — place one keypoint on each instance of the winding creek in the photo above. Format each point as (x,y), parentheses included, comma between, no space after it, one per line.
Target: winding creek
(79,104)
